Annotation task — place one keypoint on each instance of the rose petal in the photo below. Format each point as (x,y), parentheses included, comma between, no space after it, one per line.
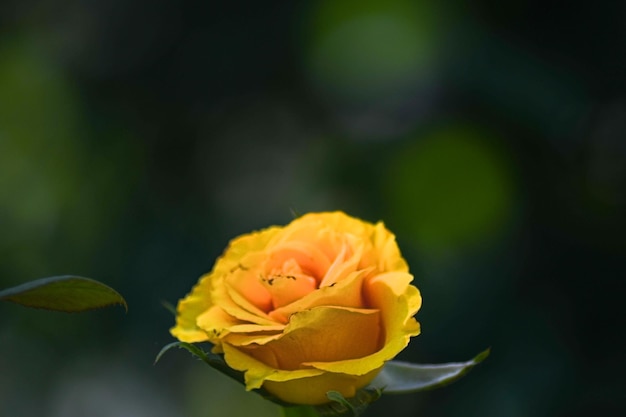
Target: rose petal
(385,290)
(285,289)
(345,263)
(236,306)
(383,253)
(255,328)
(322,334)
(248,284)
(397,302)
(217,324)
(337,221)
(312,390)
(308,256)
(239,307)
(245,339)
(215,321)
(256,372)
(389,255)
(328,231)
(244,251)
(345,293)
(186,329)
(301,386)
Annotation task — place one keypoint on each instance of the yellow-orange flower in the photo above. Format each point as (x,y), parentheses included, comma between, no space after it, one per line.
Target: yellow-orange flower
(317,305)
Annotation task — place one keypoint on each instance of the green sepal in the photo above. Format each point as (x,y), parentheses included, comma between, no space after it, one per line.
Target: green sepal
(404,377)
(69,294)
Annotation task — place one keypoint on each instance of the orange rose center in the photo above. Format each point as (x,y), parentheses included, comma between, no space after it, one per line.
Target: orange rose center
(290,271)
(288,284)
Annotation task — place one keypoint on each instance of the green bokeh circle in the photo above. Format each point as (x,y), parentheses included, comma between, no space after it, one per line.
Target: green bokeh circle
(450,188)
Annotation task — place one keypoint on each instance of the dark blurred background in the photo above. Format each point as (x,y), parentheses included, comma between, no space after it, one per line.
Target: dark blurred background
(138,137)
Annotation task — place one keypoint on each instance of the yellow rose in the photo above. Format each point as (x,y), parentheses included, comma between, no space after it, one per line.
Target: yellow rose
(317,305)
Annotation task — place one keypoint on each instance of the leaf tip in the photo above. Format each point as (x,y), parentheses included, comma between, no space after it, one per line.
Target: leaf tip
(482,355)
(123,304)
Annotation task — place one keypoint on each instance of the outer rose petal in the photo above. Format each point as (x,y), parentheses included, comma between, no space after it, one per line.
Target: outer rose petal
(387,251)
(312,390)
(327,334)
(398,302)
(324,228)
(196,303)
(303,386)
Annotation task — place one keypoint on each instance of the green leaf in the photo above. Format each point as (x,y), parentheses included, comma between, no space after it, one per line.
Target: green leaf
(403,377)
(66,293)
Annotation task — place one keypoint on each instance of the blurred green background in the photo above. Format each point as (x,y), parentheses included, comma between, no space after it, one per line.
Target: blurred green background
(137,138)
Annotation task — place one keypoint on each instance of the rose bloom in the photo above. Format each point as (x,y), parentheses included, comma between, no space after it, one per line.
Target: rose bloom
(314,306)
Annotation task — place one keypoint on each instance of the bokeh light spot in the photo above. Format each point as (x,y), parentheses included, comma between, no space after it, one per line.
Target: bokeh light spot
(366,49)
(451,188)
